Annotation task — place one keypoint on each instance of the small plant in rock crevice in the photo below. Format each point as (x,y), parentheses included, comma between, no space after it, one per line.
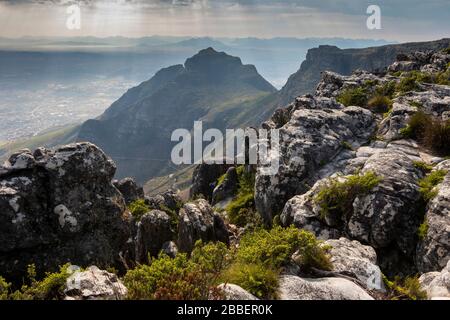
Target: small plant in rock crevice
(337,196)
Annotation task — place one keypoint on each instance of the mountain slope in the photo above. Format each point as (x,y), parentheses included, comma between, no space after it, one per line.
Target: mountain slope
(211,86)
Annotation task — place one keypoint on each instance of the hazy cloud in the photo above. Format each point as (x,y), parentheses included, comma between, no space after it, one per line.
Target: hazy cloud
(401,19)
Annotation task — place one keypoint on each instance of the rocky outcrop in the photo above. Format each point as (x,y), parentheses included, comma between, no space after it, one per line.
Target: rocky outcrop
(296,288)
(198,221)
(59,206)
(129,189)
(154,229)
(386,217)
(346,61)
(204,179)
(437,284)
(433,252)
(234,292)
(94,284)
(310,139)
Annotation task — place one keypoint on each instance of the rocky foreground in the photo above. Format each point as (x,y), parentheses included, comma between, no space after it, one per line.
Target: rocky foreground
(363,169)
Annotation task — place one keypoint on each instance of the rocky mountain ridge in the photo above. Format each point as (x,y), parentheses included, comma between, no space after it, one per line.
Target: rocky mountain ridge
(361,169)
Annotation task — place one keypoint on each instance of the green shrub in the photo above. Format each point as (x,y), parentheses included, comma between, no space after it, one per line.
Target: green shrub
(406,289)
(338,196)
(346,145)
(138,208)
(241,210)
(418,123)
(422,231)
(353,97)
(212,257)
(51,287)
(424,167)
(262,254)
(179,278)
(387,89)
(274,248)
(407,84)
(437,136)
(427,184)
(416,104)
(4,289)
(256,278)
(446,51)
(379,103)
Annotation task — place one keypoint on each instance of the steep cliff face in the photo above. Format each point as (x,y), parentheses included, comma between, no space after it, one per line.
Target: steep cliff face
(136,130)
(345,61)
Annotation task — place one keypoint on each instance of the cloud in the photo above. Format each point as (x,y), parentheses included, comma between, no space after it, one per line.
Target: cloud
(401,19)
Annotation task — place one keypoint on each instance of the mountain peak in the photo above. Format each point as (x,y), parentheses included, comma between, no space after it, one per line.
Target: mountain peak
(210,59)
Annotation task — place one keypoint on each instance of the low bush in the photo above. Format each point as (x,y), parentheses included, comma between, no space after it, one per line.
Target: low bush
(428,184)
(417,124)
(256,278)
(353,97)
(422,231)
(380,103)
(138,208)
(241,210)
(274,248)
(424,167)
(4,289)
(406,289)
(337,196)
(407,84)
(51,287)
(179,278)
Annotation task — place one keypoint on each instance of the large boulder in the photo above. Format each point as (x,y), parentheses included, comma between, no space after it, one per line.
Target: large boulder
(360,261)
(437,284)
(204,179)
(94,284)
(296,288)
(130,190)
(433,252)
(198,221)
(154,229)
(310,139)
(60,206)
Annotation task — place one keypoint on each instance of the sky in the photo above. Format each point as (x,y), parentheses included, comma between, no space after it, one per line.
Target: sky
(401,20)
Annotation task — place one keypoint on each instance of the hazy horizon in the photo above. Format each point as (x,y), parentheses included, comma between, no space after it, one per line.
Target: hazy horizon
(402,20)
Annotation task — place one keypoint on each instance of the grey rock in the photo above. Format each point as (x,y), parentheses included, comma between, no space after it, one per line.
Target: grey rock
(433,252)
(437,284)
(205,177)
(311,138)
(94,284)
(129,189)
(351,257)
(153,230)
(168,200)
(62,208)
(198,221)
(296,288)
(170,248)
(234,292)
